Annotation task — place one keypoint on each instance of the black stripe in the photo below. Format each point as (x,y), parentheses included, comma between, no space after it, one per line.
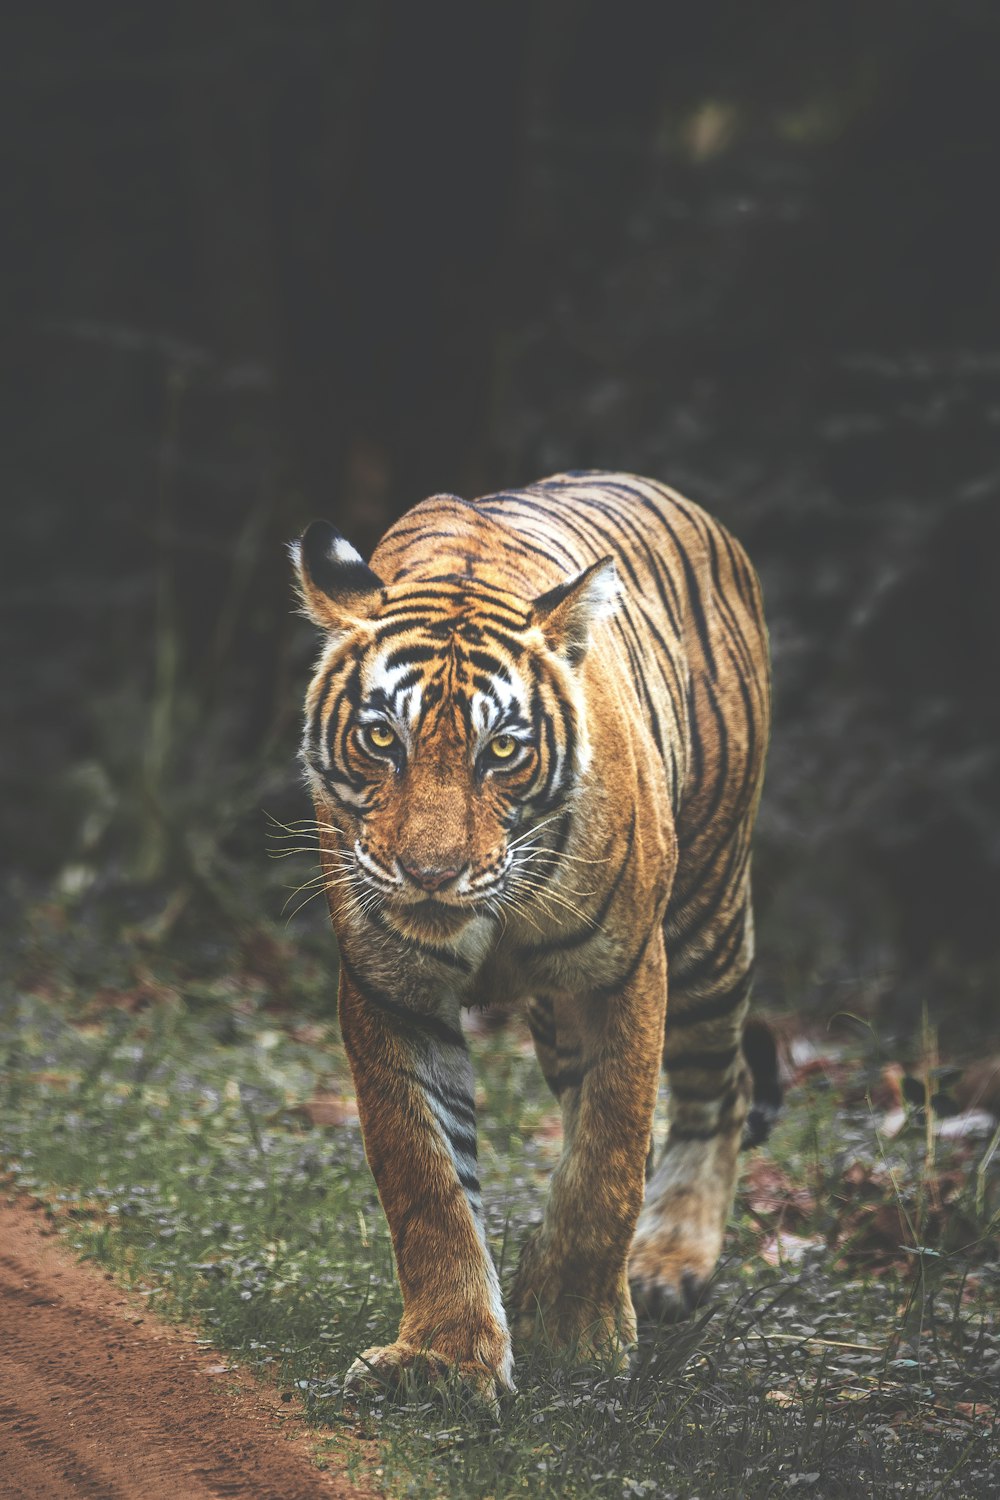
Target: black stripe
(658,570)
(688,838)
(541,1033)
(604,991)
(399,627)
(486,662)
(339,727)
(625,627)
(405,1019)
(659,575)
(349,687)
(446,956)
(583,935)
(485,683)
(731,878)
(458,1107)
(719,786)
(568,1078)
(554,552)
(438,594)
(680,1133)
(727,612)
(690,578)
(537,508)
(407,680)
(560,833)
(509,643)
(395,533)
(411,655)
(693,593)
(542,1036)
(452,614)
(698,870)
(554,787)
(633,602)
(508,502)
(718,954)
(689,1094)
(462,1141)
(738,568)
(709,1061)
(714,1007)
(724,1101)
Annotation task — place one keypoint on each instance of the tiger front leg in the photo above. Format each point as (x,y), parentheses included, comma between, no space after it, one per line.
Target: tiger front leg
(414,1086)
(571,1287)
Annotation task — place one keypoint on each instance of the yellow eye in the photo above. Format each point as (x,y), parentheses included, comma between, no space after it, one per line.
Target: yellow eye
(503,746)
(381,736)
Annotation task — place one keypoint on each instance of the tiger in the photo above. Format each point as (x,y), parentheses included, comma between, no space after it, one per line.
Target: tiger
(535,743)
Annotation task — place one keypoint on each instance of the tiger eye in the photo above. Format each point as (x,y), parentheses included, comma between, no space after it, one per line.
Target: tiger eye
(503,746)
(381,736)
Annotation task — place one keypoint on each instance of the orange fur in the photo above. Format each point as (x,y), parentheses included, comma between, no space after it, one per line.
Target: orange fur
(536,784)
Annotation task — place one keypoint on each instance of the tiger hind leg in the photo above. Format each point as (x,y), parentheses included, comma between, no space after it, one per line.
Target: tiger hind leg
(690,1193)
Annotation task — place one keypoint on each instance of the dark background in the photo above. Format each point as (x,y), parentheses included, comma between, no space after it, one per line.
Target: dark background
(265,262)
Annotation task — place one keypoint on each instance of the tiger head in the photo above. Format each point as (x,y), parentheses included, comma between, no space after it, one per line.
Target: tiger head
(445,724)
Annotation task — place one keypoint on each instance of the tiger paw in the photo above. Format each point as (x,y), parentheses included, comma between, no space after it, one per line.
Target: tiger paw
(550,1307)
(591,1334)
(678,1238)
(661,1298)
(669,1272)
(400,1367)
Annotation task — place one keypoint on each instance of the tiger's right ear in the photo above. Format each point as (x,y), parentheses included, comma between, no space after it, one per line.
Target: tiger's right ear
(336,585)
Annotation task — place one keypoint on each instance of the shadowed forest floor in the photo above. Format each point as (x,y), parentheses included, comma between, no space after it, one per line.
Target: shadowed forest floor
(198,1137)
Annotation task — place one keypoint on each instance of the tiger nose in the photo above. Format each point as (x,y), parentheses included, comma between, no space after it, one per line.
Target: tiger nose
(430,877)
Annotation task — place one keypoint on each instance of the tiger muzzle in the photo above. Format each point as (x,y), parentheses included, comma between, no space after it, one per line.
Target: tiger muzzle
(431,877)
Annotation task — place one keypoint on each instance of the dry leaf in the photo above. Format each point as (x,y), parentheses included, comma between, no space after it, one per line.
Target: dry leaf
(329,1109)
(788,1249)
(770,1193)
(979,1086)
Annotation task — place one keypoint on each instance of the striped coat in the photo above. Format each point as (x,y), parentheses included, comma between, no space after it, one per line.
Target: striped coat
(535,741)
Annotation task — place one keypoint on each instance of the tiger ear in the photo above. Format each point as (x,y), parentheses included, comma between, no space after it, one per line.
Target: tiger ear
(335,583)
(567,614)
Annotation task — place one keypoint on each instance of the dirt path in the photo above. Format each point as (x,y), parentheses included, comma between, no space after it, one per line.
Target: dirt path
(99,1398)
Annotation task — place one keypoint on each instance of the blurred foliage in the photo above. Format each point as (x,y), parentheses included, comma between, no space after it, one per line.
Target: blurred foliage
(264,264)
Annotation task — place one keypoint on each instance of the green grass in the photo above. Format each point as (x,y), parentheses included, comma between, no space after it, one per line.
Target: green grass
(162,1128)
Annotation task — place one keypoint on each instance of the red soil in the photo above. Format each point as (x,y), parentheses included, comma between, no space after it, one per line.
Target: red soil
(99,1398)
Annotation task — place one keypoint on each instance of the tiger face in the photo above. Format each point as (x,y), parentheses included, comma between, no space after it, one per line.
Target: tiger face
(444,724)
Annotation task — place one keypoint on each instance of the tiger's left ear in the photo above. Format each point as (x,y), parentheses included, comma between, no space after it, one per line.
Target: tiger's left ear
(336,585)
(567,614)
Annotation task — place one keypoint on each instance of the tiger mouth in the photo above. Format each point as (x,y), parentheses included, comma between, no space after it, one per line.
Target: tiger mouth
(435,913)
(432,917)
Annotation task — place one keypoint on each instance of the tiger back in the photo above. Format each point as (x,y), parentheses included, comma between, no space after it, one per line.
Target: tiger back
(535,742)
